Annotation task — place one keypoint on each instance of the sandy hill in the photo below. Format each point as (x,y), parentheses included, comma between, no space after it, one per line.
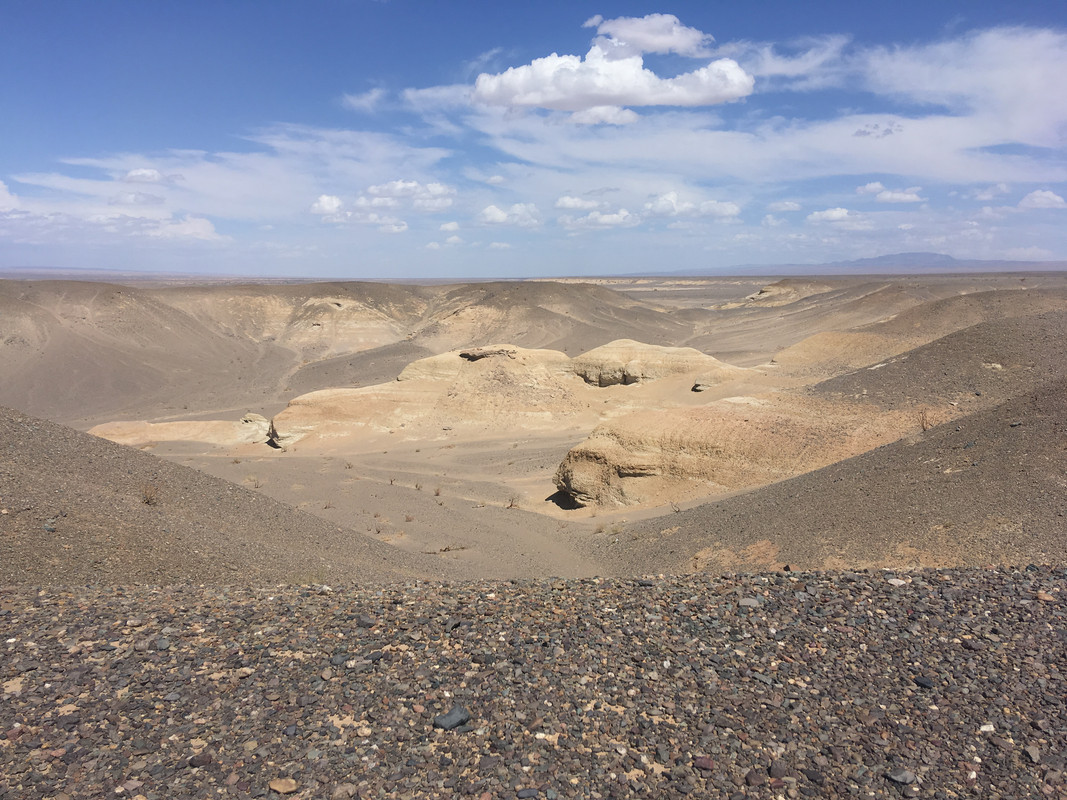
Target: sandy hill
(986,488)
(86,510)
(83,352)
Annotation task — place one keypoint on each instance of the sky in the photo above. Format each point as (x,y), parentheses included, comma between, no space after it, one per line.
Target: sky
(404,139)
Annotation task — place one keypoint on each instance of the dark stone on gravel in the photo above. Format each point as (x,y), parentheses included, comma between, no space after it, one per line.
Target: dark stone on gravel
(523,793)
(923,682)
(200,760)
(453,719)
(902,776)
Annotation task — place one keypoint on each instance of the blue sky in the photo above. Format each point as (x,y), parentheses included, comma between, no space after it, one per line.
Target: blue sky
(403,139)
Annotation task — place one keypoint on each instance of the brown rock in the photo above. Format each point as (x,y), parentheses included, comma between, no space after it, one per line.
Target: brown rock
(283,785)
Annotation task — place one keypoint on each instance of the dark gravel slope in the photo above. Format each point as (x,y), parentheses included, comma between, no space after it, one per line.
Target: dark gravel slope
(932,684)
(73,510)
(989,488)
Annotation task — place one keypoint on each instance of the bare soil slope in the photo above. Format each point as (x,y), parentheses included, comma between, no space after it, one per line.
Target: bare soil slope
(86,511)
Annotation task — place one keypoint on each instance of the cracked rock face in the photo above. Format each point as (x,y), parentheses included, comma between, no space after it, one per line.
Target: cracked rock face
(739,443)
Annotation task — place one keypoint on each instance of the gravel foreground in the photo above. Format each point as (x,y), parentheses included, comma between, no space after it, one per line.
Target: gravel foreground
(946,683)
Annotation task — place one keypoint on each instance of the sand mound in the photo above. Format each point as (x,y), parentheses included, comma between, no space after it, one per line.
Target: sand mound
(625,362)
(76,506)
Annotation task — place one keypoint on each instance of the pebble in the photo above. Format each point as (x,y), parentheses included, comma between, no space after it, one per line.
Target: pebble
(453,719)
(284,785)
(820,693)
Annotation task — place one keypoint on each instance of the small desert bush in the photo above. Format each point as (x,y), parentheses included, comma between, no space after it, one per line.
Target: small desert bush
(149,494)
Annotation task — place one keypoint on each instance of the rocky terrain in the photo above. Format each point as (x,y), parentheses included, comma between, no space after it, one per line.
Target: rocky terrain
(803,538)
(933,683)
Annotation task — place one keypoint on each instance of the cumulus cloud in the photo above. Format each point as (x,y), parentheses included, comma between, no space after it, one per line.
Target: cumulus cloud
(909,195)
(669,204)
(499,246)
(189,227)
(771,221)
(424,197)
(870,188)
(520,215)
(1042,198)
(449,226)
(144,175)
(841,219)
(784,205)
(596,220)
(327,204)
(654,33)
(365,101)
(884,195)
(613,75)
(829,215)
(575,203)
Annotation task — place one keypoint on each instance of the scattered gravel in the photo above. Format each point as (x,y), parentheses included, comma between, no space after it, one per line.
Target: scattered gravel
(935,684)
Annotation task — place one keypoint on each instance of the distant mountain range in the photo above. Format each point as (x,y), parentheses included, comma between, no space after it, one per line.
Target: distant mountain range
(894,264)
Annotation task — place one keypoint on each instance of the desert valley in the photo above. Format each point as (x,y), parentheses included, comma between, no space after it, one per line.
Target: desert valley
(737,537)
(537,428)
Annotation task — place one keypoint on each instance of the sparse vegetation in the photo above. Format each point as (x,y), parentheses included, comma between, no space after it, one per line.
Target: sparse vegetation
(924,420)
(236,461)
(513,502)
(418,487)
(409,518)
(149,494)
(348,465)
(437,491)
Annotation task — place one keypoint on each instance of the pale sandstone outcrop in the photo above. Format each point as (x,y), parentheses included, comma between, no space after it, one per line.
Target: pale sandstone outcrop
(625,361)
(651,457)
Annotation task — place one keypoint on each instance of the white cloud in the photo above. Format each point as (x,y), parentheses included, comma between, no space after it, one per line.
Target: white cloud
(187,228)
(144,175)
(771,221)
(596,220)
(669,204)
(605,115)
(807,63)
(423,197)
(613,74)
(366,101)
(654,33)
(841,219)
(495,180)
(829,215)
(327,205)
(575,203)
(1042,198)
(989,193)
(449,226)
(454,240)
(870,188)
(909,195)
(520,215)
(499,246)
(8,201)
(1010,79)
(784,205)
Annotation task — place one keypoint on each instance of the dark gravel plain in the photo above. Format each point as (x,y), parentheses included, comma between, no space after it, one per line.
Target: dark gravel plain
(937,683)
